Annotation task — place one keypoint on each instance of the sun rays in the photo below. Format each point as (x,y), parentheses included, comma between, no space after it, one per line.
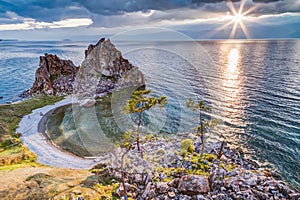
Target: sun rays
(237,18)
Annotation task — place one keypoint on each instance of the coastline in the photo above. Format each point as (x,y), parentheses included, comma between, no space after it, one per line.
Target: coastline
(239,177)
(49,154)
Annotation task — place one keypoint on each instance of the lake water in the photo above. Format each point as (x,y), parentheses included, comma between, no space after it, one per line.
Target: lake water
(253,87)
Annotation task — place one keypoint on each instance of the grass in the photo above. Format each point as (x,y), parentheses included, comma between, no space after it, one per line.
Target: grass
(12,151)
(20,165)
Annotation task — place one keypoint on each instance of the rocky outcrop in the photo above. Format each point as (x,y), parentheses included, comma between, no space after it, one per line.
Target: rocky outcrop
(207,177)
(54,76)
(103,71)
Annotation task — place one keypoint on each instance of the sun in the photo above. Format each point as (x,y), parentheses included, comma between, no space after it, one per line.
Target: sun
(236,19)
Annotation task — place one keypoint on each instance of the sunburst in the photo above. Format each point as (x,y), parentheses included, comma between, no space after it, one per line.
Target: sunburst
(237,19)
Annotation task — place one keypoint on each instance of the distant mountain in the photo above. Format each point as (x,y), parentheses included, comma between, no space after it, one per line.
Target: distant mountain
(8,40)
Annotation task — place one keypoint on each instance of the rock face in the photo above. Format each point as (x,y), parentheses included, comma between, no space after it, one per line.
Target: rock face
(103,71)
(54,76)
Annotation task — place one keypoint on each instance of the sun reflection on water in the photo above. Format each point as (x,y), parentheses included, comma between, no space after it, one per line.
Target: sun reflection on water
(230,76)
(233,58)
(232,92)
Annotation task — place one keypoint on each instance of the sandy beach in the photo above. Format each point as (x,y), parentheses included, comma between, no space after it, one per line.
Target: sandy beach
(31,126)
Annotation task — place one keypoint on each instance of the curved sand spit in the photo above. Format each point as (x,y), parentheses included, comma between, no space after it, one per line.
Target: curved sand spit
(46,152)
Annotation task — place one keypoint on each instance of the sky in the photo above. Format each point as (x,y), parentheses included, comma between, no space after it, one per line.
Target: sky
(198,19)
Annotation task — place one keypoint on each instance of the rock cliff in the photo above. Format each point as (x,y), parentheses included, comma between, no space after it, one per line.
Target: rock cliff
(54,76)
(103,71)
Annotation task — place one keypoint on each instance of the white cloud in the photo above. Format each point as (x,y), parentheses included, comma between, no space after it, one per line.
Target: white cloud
(29,23)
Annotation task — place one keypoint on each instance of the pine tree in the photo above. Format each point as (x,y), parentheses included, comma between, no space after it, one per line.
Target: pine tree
(139,103)
(201,107)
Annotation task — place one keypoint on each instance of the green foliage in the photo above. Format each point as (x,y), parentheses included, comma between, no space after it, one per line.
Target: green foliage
(196,106)
(203,124)
(199,107)
(138,103)
(186,146)
(106,191)
(227,167)
(53,77)
(200,166)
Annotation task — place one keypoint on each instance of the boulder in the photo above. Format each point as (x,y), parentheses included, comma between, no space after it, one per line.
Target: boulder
(162,187)
(193,184)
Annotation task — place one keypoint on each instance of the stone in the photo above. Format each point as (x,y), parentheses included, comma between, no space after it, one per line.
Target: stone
(174,183)
(200,197)
(260,195)
(77,192)
(149,192)
(294,196)
(171,194)
(138,178)
(284,189)
(184,197)
(162,187)
(216,179)
(219,197)
(193,184)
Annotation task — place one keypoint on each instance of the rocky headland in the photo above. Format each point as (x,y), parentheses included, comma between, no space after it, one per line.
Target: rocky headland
(103,71)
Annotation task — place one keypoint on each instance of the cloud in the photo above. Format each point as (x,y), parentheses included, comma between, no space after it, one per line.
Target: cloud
(47,14)
(16,22)
(50,10)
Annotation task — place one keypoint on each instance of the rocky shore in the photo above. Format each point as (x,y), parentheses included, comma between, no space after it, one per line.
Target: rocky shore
(165,173)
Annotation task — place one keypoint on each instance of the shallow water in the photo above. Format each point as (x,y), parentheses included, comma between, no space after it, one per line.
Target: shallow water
(252,86)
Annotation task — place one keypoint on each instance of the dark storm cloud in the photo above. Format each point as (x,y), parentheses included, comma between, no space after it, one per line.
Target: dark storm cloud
(55,10)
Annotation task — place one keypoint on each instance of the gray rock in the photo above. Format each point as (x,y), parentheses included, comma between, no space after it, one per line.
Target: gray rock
(260,195)
(216,179)
(200,197)
(162,187)
(183,197)
(149,192)
(174,183)
(294,196)
(193,184)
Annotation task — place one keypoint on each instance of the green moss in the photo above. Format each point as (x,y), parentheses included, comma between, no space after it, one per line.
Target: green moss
(227,167)
(53,77)
(106,191)
(186,146)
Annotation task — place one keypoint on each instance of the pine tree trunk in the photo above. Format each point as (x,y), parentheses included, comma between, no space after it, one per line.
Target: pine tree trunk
(138,135)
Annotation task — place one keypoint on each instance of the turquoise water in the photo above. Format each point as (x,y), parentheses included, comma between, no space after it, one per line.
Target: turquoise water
(252,86)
